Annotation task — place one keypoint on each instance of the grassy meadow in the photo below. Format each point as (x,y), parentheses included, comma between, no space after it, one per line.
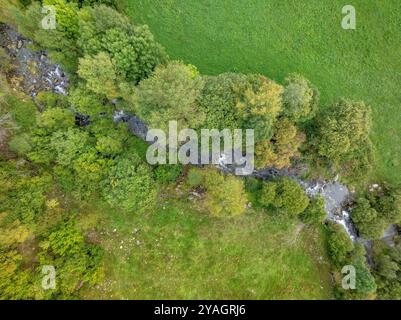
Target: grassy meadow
(177,252)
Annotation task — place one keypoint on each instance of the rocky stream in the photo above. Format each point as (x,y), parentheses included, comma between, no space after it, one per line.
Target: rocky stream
(33,72)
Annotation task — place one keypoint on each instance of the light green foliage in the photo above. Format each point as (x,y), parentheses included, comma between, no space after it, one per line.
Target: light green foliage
(66,17)
(365,282)
(68,145)
(99,72)
(194,178)
(23,193)
(267,194)
(130,185)
(259,106)
(15,283)
(54,119)
(94,22)
(342,139)
(315,213)
(12,234)
(300,98)
(387,202)
(224,195)
(89,171)
(87,102)
(43,151)
(108,146)
(23,112)
(65,241)
(20,144)
(47,100)
(170,94)
(77,263)
(61,41)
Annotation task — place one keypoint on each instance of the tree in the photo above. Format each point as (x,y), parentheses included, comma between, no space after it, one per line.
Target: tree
(300,98)
(260,105)
(224,195)
(76,262)
(61,41)
(387,269)
(130,185)
(170,94)
(68,145)
(132,48)
(55,119)
(342,128)
(283,146)
(219,99)
(168,172)
(108,146)
(87,102)
(100,75)
(367,221)
(89,171)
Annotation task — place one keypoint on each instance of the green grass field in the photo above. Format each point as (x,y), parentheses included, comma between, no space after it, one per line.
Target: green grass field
(176,252)
(277,37)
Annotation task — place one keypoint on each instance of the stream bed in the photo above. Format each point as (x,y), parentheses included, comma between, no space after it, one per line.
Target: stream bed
(35,72)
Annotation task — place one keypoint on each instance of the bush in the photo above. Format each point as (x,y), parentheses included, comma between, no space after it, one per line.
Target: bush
(339,244)
(267,194)
(224,195)
(170,94)
(194,178)
(130,185)
(290,196)
(168,173)
(315,213)
(23,112)
(300,98)
(20,144)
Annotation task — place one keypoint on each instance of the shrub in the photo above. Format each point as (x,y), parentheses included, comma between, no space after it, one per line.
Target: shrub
(224,195)
(20,144)
(267,194)
(367,221)
(130,185)
(290,196)
(168,173)
(300,98)
(339,244)
(170,94)
(315,213)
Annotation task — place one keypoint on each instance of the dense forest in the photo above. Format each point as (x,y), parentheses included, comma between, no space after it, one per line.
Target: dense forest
(77,193)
